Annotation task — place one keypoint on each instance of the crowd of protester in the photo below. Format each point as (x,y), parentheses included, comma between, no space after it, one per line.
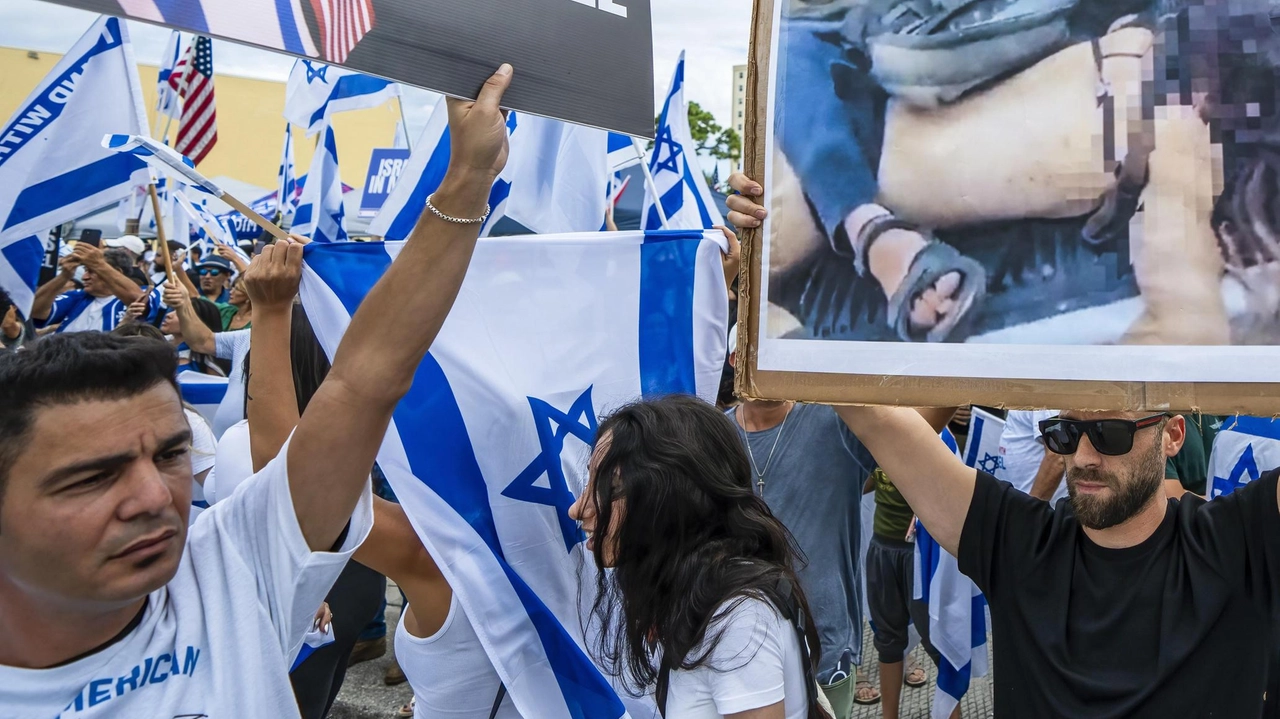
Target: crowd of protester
(732,536)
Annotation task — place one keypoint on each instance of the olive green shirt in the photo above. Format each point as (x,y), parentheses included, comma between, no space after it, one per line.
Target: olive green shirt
(1191,465)
(893,514)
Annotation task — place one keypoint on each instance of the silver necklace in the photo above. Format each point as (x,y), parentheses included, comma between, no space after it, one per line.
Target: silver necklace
(768,461)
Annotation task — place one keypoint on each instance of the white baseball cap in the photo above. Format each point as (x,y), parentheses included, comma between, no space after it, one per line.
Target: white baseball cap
(129,242)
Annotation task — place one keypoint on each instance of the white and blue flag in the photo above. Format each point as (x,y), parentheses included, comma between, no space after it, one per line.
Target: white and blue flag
(320,215)
(20,260)
(555,181)
(957,615)
(317,91)
(982,448)
(52,167)
(1244,450)
(274,23)
(489,447)
(167,97)
(161,157)
(677,178)
(204,392)
(623,152)
(286,179)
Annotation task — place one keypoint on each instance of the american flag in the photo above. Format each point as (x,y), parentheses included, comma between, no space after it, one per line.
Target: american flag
(198,128)
(342,24)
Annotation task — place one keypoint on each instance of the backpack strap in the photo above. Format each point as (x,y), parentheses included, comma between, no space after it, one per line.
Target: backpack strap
(664,683)
(794,613)
(497,701)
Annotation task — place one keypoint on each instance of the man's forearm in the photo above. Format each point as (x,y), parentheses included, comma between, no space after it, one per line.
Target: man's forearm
(119,285)
(339,435)
(272,407)
(42,305)
(1048,476)
(930,477)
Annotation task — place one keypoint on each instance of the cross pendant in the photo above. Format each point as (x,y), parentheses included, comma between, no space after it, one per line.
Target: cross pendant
(760,484)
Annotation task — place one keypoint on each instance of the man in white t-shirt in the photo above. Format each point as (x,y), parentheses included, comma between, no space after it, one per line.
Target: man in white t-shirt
(1026,465)
(109,606)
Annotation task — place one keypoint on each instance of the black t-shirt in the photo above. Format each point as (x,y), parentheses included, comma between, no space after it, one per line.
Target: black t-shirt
(1178,626)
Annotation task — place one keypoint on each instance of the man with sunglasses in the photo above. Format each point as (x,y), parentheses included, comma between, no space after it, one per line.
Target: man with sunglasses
(215,277)
(1122,602)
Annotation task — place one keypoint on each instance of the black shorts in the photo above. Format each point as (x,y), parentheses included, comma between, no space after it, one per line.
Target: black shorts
(890,584)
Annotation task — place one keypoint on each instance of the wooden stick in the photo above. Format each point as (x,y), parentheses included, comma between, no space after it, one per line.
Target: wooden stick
(259,220)
(160,238)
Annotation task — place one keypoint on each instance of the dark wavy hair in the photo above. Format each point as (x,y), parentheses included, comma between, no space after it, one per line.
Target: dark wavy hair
(692,537)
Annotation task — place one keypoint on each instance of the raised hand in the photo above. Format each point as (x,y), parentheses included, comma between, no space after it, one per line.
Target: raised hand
(273,277)
(479,129)
(175,295)
(743,208)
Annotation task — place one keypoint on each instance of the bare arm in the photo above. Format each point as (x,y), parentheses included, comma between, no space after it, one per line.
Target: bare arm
(338,436)
(272,407)
(1048,476)
(930,477)
(195,333)
(42,305)
(115,281)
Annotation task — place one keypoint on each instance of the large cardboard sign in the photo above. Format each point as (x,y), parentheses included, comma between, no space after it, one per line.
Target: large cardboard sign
(1028,203)
(585,61)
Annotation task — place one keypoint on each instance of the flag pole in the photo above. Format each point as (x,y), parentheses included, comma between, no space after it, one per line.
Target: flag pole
(653,186)
(160,238)
(259,220)
(404,124)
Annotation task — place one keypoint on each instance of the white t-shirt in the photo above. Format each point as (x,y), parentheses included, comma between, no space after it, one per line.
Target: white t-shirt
(1023,450)
(234,464)
(218,640)
(203,449)
(233,345)
(756,664)
(90,319)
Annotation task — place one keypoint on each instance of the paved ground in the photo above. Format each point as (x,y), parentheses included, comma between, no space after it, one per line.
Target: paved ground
(364,696)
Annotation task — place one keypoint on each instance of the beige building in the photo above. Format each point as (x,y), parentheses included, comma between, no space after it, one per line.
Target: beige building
(739,107)
(250,121)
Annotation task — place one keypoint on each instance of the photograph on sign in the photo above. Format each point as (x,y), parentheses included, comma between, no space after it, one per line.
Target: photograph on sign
(588,62)
(1018,189)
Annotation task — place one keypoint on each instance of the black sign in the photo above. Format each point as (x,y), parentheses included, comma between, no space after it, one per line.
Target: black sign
(585,61)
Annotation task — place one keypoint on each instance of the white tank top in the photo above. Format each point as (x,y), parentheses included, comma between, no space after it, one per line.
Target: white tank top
(449,671)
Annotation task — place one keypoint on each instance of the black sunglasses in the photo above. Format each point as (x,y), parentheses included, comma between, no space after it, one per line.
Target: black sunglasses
(207,271)
(1111,437)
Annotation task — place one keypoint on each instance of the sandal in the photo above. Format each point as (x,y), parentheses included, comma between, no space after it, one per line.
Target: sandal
(931,264)
(865,694)
(407,711)
(915,676)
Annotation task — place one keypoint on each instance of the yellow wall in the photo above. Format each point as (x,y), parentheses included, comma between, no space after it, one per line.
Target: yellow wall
(250,122)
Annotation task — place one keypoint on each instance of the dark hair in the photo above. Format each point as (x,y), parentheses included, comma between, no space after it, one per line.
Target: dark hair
(208,313)
(72,367)
(310,364)
(138,329)
(693,536)
(120,259)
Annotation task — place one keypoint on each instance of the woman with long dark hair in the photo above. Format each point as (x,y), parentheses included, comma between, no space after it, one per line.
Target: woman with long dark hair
(700,601)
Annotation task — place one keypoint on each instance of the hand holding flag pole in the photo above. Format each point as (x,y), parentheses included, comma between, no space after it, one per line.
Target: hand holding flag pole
(169,161)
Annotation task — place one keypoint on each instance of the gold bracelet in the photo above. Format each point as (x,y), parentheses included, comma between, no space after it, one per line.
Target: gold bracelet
(457,220)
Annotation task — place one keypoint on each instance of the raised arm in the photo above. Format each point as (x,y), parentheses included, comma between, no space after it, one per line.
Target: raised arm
(333,449)
(114,280)
(195,333)
(272,407)
(42,305)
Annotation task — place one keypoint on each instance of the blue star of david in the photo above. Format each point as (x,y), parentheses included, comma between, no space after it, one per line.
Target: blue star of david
(991,463)
(1245,471)
(673,152)
(579,421)
(314,72)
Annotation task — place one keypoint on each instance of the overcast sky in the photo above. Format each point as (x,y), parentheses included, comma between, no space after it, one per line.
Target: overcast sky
(714,34)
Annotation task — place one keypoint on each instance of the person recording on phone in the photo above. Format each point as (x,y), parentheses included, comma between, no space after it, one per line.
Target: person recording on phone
(107,292)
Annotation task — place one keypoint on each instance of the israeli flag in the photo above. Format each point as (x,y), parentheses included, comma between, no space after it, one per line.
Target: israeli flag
(622,152)
(320,215)
(52,168)
(686,201)
(20,260)
(286,180)
(161,157)
(202,391)
(489,448)
(1244,450)
(957,615)
(982,449)
(269,23)
(167,101)
(316,91)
